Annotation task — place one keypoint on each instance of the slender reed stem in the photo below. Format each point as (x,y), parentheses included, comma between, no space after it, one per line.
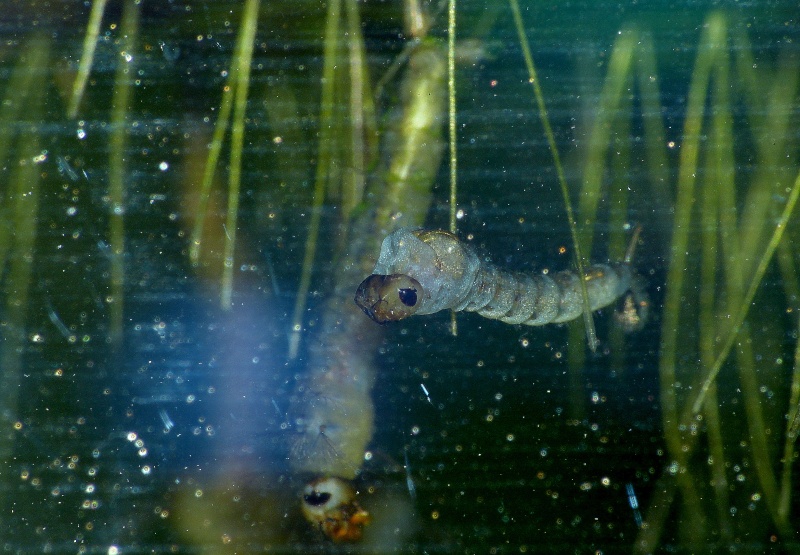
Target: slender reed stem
(244,56)
(617,83)
(324,157)
(591,334)
(87,57)
(23,79)
(451,108)
(709,230)
(123,88)
(711,374)
(23,192)
(792,424)
(214,151)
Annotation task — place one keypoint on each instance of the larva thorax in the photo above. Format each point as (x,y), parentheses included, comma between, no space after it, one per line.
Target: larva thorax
(422,272)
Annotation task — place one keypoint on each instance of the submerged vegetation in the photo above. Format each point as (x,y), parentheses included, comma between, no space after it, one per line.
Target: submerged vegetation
(329,136)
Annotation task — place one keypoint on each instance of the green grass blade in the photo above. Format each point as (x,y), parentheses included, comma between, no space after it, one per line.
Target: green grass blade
(711,374)
(591,334)
(604,133)
(23,79)
(87,57)
(241,79)
(792,423)
(23,210)
(324,159)
(123,89)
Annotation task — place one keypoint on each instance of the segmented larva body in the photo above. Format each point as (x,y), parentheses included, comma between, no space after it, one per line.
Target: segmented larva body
(422,272)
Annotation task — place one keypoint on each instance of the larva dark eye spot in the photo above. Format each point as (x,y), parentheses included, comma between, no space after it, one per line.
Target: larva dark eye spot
(408,296)
(317,498)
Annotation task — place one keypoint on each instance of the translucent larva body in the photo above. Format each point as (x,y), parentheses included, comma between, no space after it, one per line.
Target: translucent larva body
(422,272)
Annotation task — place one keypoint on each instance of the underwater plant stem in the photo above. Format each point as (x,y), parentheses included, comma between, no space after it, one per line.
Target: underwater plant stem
(324,157)
(658,166)
(775,138)
(603,134)
(244,56)
(451,109)
(214,151)
(722,164)
(123,87)
(711,374)
(792,425)
(451,128)
(87,56)
(718,465)
(18,89)
(23,195)
(591,334)
(360,98)
(712,40)
(709,229)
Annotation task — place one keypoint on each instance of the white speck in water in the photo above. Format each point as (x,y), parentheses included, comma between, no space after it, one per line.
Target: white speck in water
(81,133)
(71,211)
(163,166)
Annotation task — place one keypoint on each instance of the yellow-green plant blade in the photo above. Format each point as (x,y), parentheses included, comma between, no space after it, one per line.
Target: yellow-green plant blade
(712,40)
(244,56)
(24,78)
(658,166)
(123,88)
(451,110)
(324,155)
(792,426)
(776,141)
(23,190)
(591,334)
(87,56)
(451,128)
(707,328)
(214,151)
(617,83)
(714,33)
(711,374)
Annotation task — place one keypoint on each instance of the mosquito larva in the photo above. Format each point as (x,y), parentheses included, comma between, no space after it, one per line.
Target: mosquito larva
(422,272)
(331,504)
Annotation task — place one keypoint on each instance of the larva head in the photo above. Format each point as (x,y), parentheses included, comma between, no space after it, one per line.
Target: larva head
(389,298)
(330,503)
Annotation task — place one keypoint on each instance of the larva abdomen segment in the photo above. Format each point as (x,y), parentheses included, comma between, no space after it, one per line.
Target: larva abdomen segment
(536,300)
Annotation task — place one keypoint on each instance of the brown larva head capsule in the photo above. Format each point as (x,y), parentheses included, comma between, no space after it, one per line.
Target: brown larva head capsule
(389,298)
(330,503)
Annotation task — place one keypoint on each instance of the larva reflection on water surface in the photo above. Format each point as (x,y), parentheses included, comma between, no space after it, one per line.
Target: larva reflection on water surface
(422,272)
